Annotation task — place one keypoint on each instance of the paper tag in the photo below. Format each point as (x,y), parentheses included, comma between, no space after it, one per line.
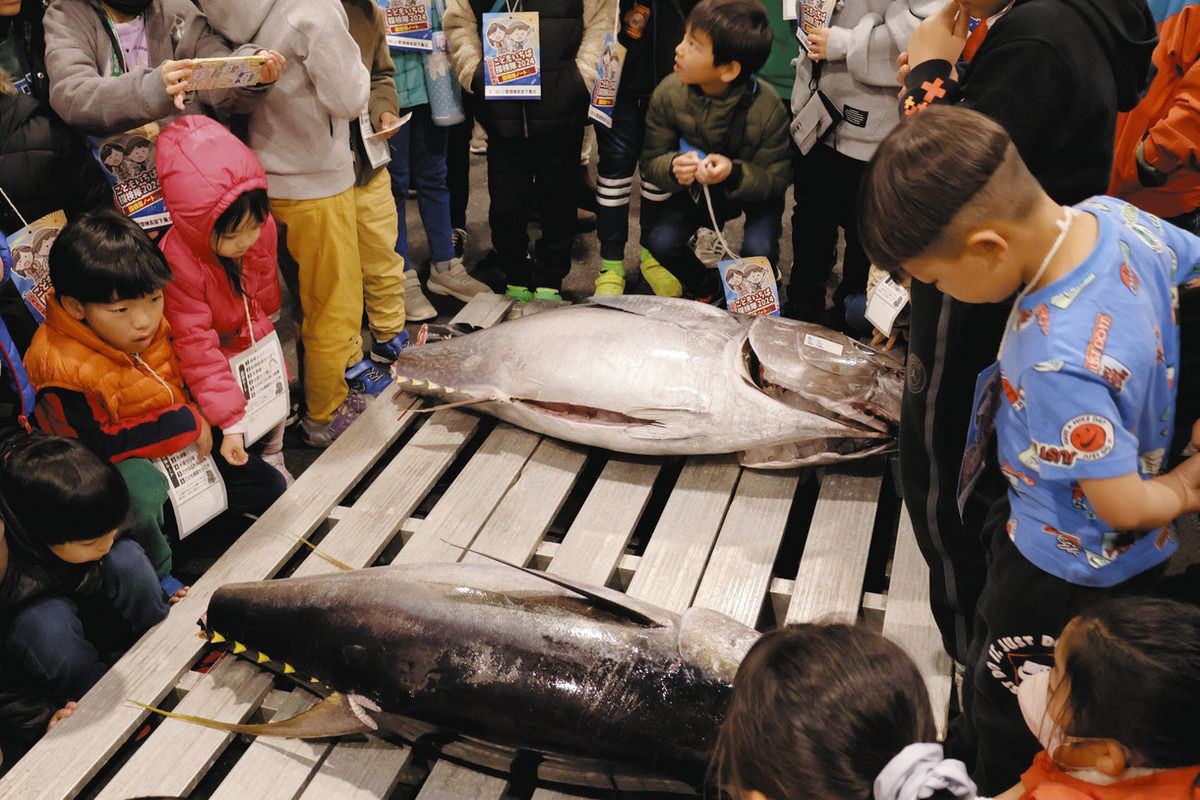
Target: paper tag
(225,73)
(813,14)
(194,487)
(375,144)
(30,248)
(608,78)
(407,25)
(512,61)
(750,286)
(387,132)
(887,301)
(833,348)
(262,375)
(791,9)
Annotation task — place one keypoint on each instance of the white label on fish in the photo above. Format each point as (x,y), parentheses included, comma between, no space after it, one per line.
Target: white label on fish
(823,344)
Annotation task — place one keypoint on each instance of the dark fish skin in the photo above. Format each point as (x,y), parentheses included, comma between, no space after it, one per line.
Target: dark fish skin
(496,654)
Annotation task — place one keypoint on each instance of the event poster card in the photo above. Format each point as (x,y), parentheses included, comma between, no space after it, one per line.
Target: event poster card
(407,25)
(128,162)
(750,286)
(230,72)
(30,248)
(608,78)
(511,56)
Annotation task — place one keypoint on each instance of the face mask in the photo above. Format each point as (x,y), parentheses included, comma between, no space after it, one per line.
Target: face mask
(1033,695)
(133,8)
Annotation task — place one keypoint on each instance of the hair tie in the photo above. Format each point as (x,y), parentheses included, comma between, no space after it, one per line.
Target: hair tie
(921,769)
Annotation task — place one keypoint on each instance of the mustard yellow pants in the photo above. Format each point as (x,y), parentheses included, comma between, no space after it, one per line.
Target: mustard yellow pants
(382,266)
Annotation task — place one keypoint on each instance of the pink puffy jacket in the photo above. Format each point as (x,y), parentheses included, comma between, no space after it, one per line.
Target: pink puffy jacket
(202,169)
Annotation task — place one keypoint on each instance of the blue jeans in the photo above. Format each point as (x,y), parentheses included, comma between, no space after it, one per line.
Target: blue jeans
(619,149)
(678,219)
(419,157)
(62,649)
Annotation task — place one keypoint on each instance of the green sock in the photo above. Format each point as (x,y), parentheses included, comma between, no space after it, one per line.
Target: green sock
(612,265)
(647,259)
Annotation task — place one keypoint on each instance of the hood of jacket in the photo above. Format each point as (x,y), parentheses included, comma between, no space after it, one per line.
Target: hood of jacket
(202,168)
(1128,34)
(238,20)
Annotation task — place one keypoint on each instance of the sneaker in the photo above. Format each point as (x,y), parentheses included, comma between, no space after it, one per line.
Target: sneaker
(708,246)
(366,378)
(661,281)
(521,293)
(610,282)
(459,238)
(316,434)
(276,461)
(548,294)
(417,307)
(455,282)
(389,351)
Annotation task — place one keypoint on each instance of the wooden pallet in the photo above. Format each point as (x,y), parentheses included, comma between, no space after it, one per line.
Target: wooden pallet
(675,533)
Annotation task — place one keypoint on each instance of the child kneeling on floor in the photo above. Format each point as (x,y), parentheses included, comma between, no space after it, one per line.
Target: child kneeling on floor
(74,592)
(105,373)
(713,104)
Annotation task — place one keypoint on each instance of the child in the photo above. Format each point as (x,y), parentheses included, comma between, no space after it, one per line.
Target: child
(74,594)
(1117,714)
(301,134)
(105,373)
(832,712)
(419,160)
(648,31)
(533,145)
(225,287)
(1084,385)
(714,103)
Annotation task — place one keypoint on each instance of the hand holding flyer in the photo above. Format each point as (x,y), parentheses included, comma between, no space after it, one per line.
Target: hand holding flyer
(813,14)
(226,73)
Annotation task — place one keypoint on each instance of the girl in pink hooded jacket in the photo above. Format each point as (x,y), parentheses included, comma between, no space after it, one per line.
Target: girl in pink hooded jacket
(222,250)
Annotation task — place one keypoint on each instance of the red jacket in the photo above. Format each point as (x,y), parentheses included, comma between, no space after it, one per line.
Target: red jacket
(202,169)
(1168,117)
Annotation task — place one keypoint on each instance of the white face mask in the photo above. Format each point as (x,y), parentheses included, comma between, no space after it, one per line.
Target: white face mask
(1033,695)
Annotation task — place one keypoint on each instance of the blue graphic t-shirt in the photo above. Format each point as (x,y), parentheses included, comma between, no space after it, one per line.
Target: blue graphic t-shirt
(1088,380)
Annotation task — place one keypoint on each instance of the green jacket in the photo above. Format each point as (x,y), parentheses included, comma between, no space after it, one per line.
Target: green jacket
(762,167)
(785,47)
(410,69)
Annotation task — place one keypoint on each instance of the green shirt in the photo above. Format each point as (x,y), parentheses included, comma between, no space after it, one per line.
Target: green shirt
(778,71)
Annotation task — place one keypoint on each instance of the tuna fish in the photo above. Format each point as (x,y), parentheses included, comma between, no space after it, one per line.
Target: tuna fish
(605,690)
(659,376)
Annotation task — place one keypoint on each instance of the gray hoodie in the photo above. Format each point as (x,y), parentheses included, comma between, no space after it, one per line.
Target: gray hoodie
(859,78)
(300,131)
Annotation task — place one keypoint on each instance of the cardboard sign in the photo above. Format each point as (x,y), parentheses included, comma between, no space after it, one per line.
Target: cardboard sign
(512,56)
(225,73)
(608,78)
(194,487)
(262,375)
(750,286)
(30,248)
(407,25)
(128,162)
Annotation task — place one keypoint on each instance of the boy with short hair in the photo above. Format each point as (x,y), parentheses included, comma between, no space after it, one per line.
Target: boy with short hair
(105,373)
(1084,393)
(714,104)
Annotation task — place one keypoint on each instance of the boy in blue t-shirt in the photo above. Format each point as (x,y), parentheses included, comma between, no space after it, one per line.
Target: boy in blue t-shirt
(1082,397)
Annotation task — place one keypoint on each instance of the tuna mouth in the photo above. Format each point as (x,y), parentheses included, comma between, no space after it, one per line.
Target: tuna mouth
(579,413)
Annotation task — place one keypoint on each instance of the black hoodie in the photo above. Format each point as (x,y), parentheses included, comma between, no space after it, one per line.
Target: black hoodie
(1054,74)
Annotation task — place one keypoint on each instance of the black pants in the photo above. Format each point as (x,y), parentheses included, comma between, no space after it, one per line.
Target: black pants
(458,170)
(1021,613)
(826,188)
(519,169)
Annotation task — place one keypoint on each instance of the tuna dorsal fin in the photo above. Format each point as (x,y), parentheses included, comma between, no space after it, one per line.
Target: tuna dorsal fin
(608,601)
(336,715)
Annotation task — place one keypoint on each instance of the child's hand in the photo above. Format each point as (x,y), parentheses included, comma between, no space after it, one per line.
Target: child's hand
(205,441)
(179,595)
(175,75)
(233,449)
(683,166)
(713,169)
(902,70)
(1196,435)
(941,36)
(61,714)
(818,44)
(389,120)
(273,69)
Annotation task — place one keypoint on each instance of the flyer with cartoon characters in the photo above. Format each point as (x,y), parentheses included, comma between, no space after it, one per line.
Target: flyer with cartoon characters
(750,286)
(608,78)
(30,248)
(128,162)
(407,25)
(512,56)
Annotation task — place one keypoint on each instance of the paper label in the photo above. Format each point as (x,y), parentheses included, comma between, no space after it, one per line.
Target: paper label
(750,286)
(194,487)
(887,301)
(30,248)
(608,78)
(407,25)
(813,14)
(225,73)
(833,348)
(262,375)
(791,9)
(128,162)
(512,56)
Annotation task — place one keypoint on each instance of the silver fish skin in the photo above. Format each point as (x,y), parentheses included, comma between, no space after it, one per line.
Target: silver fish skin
(665,377)
(505,657)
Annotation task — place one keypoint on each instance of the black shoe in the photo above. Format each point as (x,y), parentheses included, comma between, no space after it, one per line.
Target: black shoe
(802,312)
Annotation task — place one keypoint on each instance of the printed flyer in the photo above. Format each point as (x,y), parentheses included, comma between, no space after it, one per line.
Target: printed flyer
(128,162)
(511,56)
(608,78)
(30,248)
(194,486)
(750,286)
(225,73)
(408,25)
(262,375)
(813,14)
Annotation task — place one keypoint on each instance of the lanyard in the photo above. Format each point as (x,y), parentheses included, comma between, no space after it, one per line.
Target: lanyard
(1064,225)
(249,322)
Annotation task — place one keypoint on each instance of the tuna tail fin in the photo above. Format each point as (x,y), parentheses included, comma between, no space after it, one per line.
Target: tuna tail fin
(336,715)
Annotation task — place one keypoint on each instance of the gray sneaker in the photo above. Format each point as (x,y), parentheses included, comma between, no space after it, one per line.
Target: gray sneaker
(316,434)
(455,282)
(417,307)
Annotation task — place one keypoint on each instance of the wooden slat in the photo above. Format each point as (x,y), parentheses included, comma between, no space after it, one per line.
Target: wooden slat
(358,771)
(485,310)
(524,515)
(598,536)
(684,536)
(739,571)
(175,757)
(451,782)
(829,581)
(908,620)
(274,768)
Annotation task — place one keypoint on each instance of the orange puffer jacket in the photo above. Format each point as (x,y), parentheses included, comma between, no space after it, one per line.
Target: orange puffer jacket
(1045,781)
